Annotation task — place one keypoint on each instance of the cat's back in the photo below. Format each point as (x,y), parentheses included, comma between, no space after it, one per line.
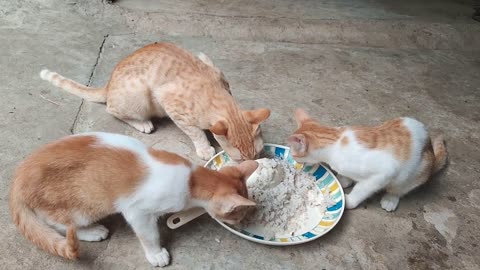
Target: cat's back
(81,157)
(167,58)
(401,136)
(105,139)
(416,128)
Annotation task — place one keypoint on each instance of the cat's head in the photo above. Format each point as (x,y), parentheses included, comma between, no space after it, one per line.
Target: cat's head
(225,191)
(241,137)
(310,139)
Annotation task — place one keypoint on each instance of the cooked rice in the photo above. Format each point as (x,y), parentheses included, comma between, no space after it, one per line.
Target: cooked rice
(283,196)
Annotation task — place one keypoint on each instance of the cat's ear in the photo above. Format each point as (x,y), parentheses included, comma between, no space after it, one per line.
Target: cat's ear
(233,202)
(247,167)
(298,144)
(219,128)
(255,117)
(301,116)
(205,59)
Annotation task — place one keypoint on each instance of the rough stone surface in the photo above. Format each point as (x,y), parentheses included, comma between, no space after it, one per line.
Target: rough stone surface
(346,62)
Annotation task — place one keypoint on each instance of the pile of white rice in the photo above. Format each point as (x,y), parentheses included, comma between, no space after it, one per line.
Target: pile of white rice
(283,196)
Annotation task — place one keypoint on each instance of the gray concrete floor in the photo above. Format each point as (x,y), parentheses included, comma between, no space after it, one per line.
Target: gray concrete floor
(346,62)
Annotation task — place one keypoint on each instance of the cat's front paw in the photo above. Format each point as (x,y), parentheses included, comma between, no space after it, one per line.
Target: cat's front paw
(350,202)
(389,202)
(206,153)
(161,258)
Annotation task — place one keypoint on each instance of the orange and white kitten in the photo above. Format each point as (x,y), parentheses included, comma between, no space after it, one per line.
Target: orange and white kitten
(66,186)
(397,156)
(161,80)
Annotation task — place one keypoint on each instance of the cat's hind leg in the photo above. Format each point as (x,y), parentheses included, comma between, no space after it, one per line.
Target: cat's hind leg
(390,201)
(397,189)
(92,233)
(394,192)
(134,107)
(145,126)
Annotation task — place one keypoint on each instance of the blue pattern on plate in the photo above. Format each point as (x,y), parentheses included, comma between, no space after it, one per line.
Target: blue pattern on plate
(336,206)
(279,152)
(308,235)
(320,172)
(326,182)
(258,237)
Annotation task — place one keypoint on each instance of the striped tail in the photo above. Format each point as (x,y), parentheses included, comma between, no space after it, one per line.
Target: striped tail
(92,94)
(440,152)
(40,233)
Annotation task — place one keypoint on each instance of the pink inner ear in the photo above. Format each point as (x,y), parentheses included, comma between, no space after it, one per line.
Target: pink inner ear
(294,139)
(297,143)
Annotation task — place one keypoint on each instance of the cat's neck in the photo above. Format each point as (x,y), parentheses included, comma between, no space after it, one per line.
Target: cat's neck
(202,184)
(325,154)
(228,112)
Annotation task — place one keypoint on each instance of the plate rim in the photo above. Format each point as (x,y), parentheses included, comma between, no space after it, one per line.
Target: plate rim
(272,243)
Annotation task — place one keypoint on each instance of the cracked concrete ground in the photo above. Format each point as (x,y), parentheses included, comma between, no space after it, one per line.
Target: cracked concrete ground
(346,62)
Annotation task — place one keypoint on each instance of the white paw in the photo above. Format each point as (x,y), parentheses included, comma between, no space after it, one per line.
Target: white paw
(142,126)
(205,59)
(206,153)
(161,258)
(350,202)
(389,202)
(46,74)
(93,233)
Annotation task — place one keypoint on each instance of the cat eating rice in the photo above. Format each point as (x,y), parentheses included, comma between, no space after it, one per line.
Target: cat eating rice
(284,197)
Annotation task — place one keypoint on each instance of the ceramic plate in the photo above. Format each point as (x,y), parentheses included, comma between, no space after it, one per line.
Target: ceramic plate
(317,224)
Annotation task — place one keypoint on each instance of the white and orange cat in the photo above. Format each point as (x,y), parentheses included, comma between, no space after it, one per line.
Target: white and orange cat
(66,186)
(397,156)
(161,80)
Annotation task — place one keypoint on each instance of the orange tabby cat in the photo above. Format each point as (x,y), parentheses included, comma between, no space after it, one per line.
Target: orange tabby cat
(397,156)
(65,187)
(162,80)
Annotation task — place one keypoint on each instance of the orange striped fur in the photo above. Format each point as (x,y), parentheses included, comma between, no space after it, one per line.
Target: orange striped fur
(163,80)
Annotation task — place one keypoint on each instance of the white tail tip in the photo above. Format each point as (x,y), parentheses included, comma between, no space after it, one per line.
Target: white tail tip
(45,74)
(205,59)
